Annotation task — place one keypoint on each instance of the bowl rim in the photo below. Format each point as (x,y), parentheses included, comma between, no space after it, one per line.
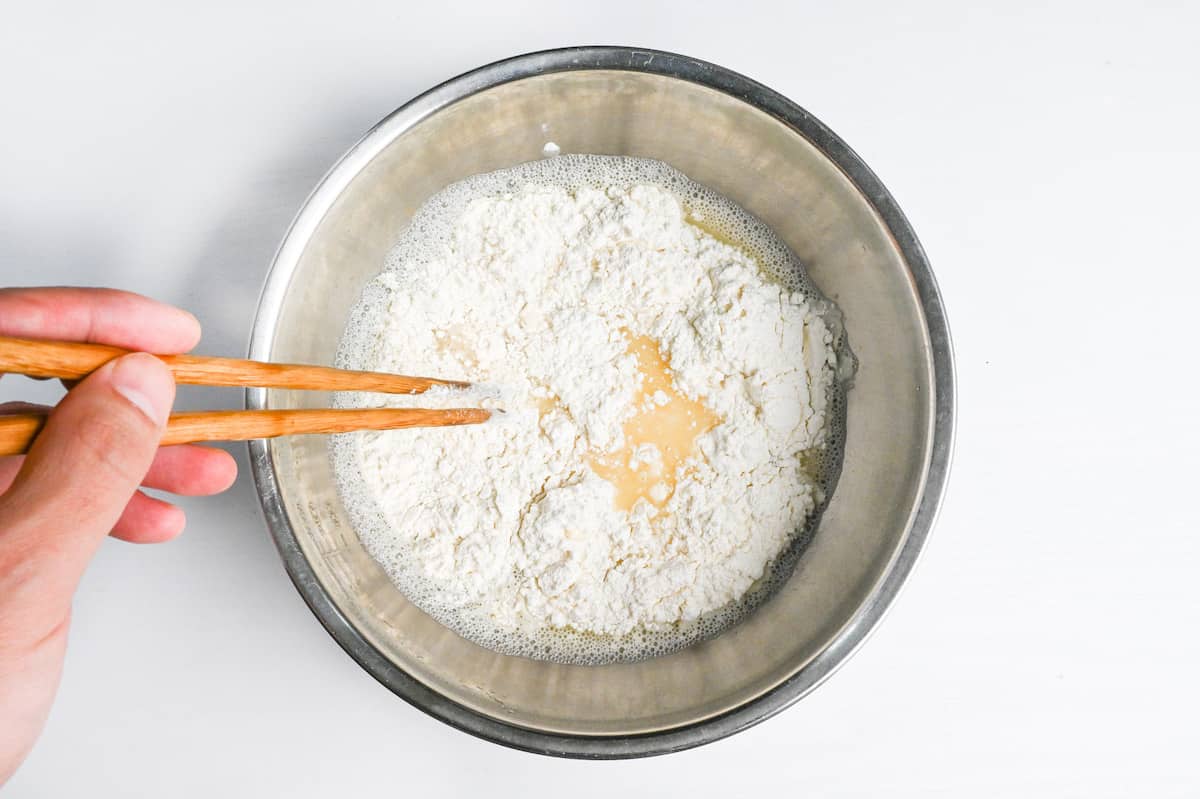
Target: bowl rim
(867,616)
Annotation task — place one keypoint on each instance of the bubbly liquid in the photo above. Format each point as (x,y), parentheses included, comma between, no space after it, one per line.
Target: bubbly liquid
(671,426)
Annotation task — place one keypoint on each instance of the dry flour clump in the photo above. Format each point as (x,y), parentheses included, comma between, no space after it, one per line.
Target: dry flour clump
(667,396)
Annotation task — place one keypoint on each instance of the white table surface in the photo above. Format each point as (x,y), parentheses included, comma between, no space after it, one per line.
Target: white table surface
(1047,644)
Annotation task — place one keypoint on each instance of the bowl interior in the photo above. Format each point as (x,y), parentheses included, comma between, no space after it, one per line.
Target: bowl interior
(760,163)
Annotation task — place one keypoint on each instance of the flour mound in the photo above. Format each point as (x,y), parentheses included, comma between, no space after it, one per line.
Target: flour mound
(533,281)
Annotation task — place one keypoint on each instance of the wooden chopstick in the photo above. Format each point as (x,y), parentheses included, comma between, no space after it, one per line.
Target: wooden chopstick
(17,431)
(72,360)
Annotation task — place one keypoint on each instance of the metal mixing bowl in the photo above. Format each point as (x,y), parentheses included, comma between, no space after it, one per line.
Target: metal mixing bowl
(765,153)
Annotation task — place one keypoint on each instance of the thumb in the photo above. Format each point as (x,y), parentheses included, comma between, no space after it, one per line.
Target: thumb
(86,463)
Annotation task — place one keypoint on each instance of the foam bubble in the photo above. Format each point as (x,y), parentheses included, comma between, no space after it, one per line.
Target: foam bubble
(428,232)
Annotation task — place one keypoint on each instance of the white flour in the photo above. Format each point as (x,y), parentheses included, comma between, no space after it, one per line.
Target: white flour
(536,281)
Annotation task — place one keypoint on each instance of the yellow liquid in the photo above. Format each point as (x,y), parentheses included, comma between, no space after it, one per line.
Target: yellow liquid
(452,342)
(672,427)
(545,404)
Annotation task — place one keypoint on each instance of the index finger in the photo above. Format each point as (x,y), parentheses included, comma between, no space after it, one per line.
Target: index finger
(101,316)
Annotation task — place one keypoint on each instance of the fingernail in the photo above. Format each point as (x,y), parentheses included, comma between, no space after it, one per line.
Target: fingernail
(147,383)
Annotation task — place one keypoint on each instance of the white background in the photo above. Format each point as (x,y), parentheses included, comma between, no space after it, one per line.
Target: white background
(1046,645)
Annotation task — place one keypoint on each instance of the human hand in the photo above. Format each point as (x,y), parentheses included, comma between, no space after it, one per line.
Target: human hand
(79,482)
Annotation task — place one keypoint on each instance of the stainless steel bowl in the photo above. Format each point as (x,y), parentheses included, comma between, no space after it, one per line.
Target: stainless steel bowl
(764,152)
